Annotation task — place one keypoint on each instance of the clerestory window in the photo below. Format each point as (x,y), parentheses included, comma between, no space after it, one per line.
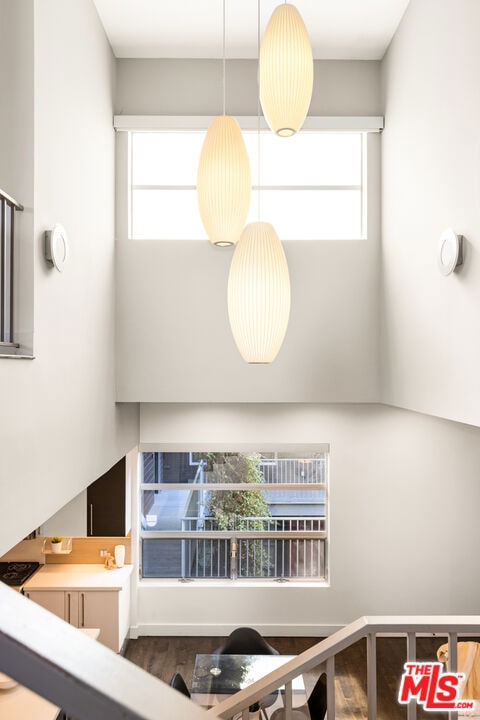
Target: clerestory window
(235,515)
(312,185)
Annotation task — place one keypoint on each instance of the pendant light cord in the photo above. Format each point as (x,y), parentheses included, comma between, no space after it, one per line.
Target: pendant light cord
(223,55)
(258,112)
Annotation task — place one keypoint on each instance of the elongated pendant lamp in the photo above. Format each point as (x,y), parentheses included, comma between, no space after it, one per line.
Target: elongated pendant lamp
(223,179)
(285,71)
(259,293)
(223,182)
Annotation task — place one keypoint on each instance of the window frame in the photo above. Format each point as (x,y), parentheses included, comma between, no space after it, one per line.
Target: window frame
(228,535)
(362,125)
(8,207)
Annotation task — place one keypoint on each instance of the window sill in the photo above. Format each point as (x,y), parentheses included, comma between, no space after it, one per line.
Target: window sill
(145,583)
(16,357)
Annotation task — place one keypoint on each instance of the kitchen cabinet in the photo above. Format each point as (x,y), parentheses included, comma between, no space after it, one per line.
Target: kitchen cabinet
(86,596)
(52,601)
(106,503)
(101,510)
(84,610)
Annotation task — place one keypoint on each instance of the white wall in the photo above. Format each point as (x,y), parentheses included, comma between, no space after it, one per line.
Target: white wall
(174,342)
(404,498)
(71,520)
(60,427)
(431,180)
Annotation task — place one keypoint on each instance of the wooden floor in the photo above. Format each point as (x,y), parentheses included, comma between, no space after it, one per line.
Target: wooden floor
(162,656)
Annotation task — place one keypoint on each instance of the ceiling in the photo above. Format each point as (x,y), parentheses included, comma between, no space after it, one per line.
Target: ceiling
(339,29)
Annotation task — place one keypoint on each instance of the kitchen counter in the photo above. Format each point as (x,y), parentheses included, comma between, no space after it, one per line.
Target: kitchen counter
(86,596)
(19,703)
(79,577)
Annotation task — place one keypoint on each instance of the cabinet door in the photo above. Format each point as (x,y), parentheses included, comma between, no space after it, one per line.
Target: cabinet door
(53,601)
(106,503)
(100,610)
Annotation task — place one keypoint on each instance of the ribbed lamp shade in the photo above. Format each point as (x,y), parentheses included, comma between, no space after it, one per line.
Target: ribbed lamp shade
(285,71)
(223,182)
(259,293)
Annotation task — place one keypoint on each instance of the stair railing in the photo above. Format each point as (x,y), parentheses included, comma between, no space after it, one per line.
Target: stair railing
(90,682)
(322,657)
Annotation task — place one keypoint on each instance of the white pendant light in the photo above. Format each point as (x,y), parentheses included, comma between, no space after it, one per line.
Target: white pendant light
(223,179)
(259,293)
(224,182)
(286,71)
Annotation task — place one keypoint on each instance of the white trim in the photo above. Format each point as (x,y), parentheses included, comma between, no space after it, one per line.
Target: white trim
(242,534)
(215,630)
(151,584)
(125,123)
(300,188)
(308,447)
(233,486)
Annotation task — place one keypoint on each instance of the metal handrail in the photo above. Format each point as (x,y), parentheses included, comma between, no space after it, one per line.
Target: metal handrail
(14,203)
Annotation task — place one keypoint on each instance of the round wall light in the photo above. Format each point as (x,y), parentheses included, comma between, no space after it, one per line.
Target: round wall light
(56,247)
(450,251)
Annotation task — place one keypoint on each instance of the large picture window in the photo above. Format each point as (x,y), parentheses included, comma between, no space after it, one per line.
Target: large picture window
(235,515)
(312,185)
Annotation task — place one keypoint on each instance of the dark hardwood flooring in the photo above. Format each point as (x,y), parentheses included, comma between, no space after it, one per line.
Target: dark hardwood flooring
(162,656)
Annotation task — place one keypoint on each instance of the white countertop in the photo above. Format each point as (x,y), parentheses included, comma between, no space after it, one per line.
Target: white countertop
(19,703)
(78,577)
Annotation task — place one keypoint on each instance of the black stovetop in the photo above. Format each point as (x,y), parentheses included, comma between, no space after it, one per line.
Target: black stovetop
(16,573)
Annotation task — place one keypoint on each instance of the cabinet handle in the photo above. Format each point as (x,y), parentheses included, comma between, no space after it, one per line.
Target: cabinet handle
(83,610)
(69,608)
(91,518)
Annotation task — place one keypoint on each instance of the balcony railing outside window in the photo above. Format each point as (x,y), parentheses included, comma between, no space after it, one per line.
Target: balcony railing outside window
(195,524)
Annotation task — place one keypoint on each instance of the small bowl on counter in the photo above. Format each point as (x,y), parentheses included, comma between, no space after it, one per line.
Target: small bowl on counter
(6,682)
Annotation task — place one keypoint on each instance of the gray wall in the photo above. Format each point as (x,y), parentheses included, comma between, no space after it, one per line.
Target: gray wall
(174,342)
(60,427)
(194,87)
(431,180)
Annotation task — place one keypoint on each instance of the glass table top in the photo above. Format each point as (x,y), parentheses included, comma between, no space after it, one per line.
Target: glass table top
(216,676)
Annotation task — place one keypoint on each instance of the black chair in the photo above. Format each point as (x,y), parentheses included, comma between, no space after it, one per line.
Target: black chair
(178,683)
(246,641)
(317,700)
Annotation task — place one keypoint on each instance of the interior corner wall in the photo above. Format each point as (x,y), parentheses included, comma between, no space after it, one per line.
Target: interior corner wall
(60,428)
(172,295)
(403,506)
(431,180)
